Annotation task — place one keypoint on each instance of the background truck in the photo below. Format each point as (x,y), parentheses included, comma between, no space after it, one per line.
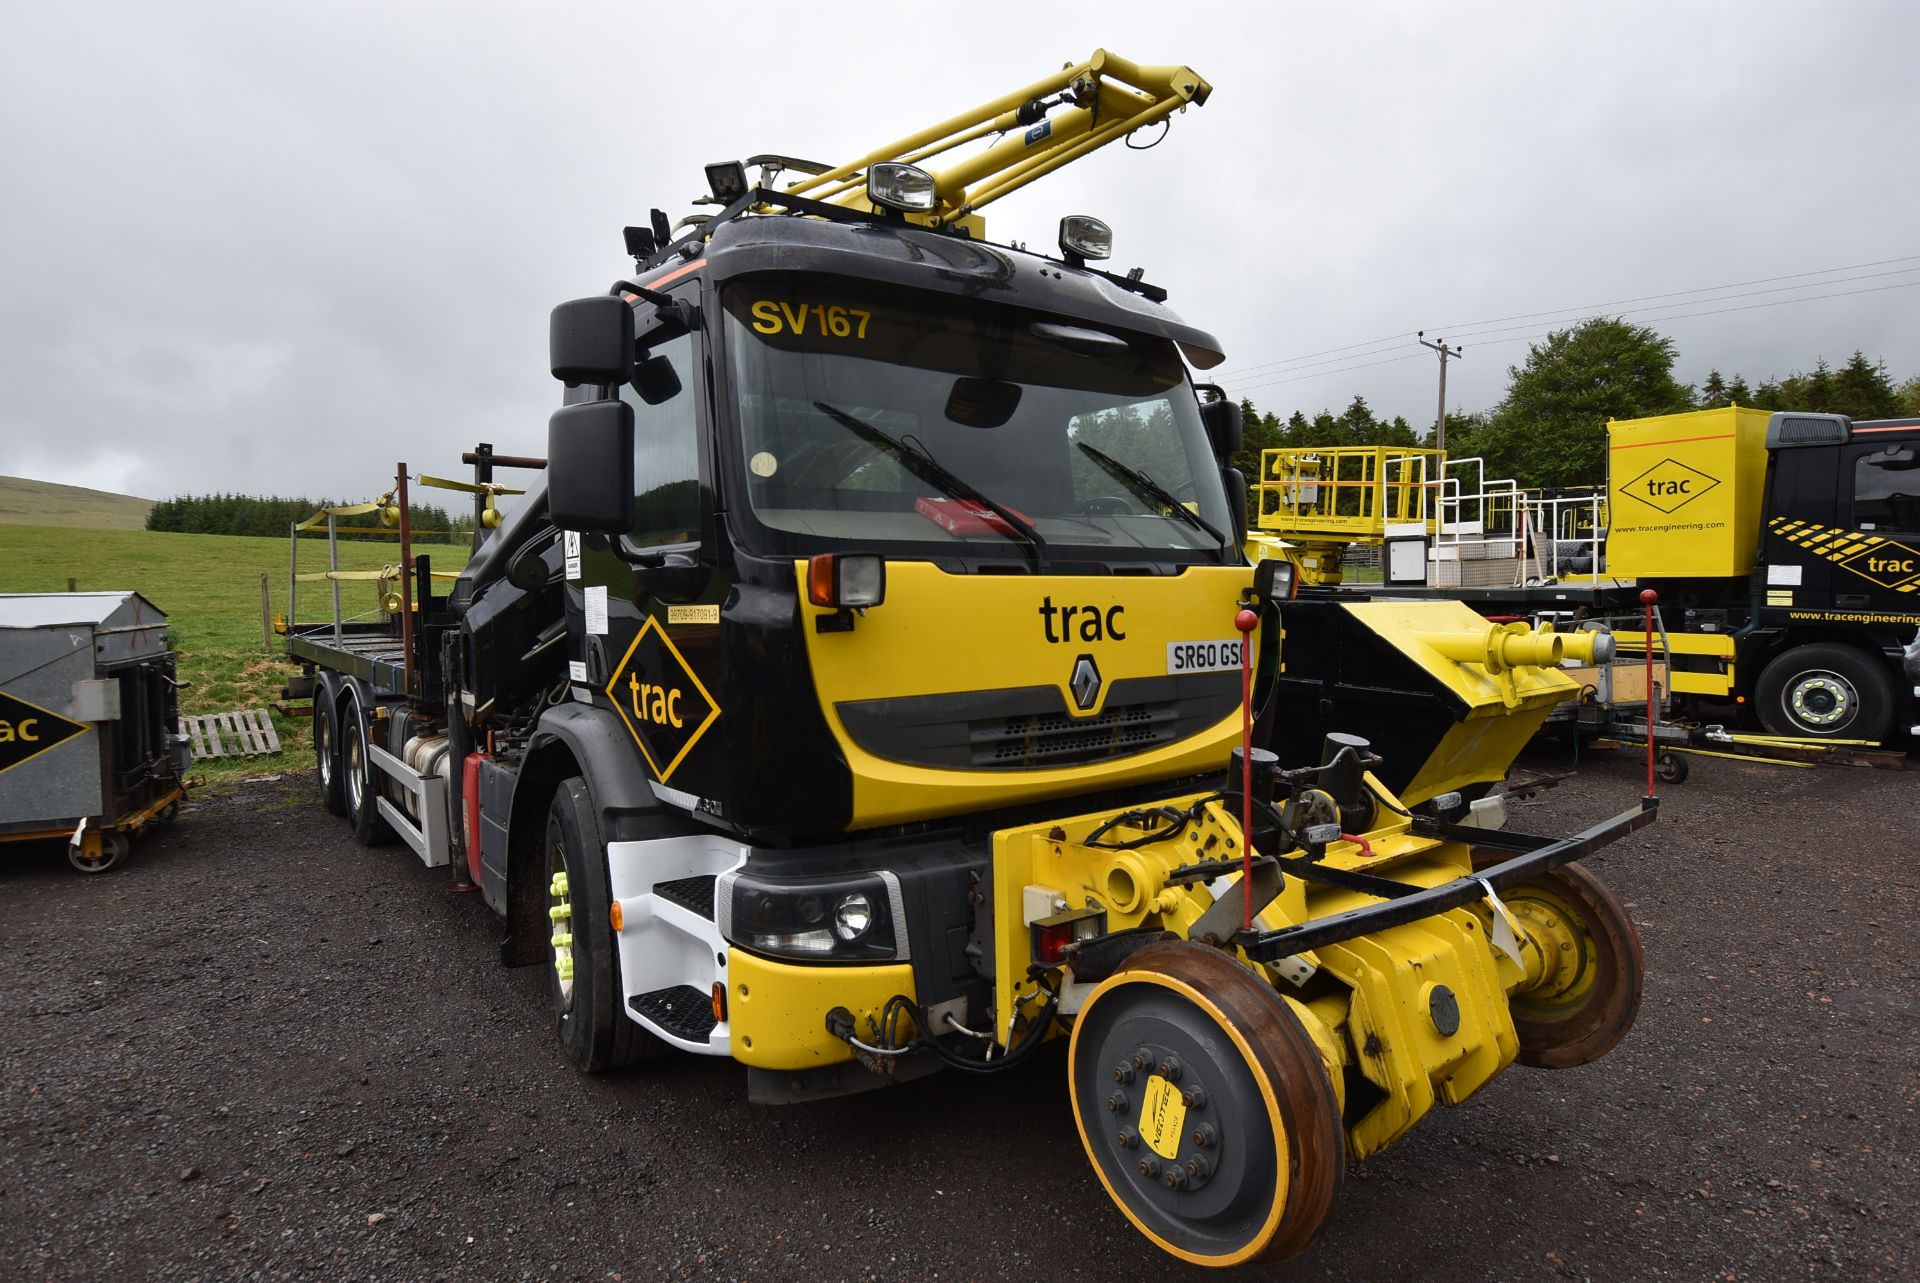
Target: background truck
(867,687)
(1785,549)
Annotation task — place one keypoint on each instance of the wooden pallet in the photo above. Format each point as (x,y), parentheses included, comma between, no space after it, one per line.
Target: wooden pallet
(247,732)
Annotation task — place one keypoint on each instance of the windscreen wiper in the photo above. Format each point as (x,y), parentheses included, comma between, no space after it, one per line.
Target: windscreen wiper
(929,469)
(1145,487)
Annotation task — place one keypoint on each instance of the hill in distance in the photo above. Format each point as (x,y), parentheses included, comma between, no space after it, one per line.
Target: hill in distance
(46,503)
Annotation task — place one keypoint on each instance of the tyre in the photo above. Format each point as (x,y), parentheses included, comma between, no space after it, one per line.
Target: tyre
(583,980)
(1671,767)
(359,779)
(114,846)
(1825,690)
(326,755)
(1205,1108)
(1589,993)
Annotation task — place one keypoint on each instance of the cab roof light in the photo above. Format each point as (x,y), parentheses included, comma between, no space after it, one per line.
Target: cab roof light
(726,182)
(1084,237)
(847,580)
(897,186)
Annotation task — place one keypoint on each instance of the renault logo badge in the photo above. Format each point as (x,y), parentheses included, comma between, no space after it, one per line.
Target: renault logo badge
(1085,683)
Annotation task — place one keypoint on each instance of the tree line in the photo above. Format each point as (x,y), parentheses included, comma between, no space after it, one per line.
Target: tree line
(1550,429)
(271,515)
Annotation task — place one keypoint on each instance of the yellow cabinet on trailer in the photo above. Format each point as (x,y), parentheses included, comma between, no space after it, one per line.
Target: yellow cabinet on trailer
(1684,493)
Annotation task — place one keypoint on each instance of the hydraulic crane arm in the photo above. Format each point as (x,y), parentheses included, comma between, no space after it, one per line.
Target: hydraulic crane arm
(1050,123)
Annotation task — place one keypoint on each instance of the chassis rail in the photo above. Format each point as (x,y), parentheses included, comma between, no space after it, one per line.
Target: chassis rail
(1536,855)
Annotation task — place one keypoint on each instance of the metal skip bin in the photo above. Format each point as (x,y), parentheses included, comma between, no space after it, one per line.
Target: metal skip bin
(89,752)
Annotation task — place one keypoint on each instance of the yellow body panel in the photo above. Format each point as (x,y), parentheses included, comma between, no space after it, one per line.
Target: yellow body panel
(777,1011)
(938,634)
(1684,493)
(1717,646)
(1379,1019)
(1430,633)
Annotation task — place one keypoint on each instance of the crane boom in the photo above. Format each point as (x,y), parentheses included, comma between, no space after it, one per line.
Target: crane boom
(1104,98)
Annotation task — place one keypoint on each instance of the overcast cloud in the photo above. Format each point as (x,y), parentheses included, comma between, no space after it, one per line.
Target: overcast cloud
(273,247)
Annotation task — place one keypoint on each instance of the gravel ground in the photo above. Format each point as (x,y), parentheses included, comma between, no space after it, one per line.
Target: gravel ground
(259,1051)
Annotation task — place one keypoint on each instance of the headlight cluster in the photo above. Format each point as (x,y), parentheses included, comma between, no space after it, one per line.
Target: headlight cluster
(854,918)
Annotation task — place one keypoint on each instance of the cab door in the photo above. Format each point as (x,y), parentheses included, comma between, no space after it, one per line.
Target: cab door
(1880,488)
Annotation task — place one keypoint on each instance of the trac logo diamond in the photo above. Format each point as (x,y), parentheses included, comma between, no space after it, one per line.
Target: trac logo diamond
(658,696)
(1886,564)
(1669,485)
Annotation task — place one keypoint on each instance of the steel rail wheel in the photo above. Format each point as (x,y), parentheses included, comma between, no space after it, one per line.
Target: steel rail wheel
(1205,1108)
(1587,999)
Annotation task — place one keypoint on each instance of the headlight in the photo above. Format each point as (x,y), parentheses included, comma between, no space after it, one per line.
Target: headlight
(852,918)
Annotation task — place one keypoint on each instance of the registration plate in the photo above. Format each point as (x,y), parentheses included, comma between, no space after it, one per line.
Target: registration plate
(1203,656)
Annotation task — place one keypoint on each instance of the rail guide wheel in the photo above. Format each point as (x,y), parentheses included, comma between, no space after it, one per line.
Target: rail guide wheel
(1589,989)
(1205,1108)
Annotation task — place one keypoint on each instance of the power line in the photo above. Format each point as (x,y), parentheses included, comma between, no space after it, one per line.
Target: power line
(1643,298)
(1274,383)
(1655,307)
(1525,338)
(1745,307)
(1704,289)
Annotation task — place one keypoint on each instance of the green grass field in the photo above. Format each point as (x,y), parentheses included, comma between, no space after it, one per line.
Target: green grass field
(45,503)
(209,587)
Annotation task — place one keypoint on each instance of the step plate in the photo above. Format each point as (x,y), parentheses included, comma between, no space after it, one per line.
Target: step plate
(692,894)
(682,1011)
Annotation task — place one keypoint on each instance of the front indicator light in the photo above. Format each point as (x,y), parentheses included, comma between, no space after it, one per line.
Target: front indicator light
(847,580)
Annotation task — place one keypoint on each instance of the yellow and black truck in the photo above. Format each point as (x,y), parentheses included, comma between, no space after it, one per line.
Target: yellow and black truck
(1786,551)
(866,688)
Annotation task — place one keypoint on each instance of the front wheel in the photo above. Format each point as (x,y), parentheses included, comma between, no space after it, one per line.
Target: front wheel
(1825,690)
(1205,1108)
(583,980)
(1589,991)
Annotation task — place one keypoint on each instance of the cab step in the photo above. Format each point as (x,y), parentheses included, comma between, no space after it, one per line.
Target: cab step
(682,1011)
(692,894)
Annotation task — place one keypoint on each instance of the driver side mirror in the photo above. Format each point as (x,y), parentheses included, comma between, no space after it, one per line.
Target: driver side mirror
(590,340)
(590,466)
(1225,426)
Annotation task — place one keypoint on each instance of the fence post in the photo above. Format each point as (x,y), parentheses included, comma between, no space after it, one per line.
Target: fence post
(266,617)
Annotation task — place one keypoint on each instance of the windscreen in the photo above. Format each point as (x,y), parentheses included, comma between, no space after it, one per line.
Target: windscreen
(889,418)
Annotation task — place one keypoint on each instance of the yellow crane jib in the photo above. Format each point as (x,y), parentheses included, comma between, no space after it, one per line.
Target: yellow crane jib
(1049,123)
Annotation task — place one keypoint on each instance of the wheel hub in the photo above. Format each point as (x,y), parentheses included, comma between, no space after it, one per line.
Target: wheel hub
(1160,1121)
(1821,699)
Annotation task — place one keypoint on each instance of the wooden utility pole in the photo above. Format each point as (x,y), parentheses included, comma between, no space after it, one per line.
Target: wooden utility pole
(1440,419)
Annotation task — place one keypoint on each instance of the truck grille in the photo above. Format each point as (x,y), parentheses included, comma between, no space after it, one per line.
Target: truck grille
(1029,728)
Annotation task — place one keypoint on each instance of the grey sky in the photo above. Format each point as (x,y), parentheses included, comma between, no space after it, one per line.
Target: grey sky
(273,247)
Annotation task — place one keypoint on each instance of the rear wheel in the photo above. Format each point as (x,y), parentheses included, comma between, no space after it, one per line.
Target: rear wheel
(326,755)
(358,780)
(114,846)
(1590,993)
(584,976)
(1826,690)
(1205,1108)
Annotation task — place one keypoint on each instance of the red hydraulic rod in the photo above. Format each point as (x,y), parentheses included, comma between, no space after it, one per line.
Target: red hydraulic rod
(1647,597)
(1246,621)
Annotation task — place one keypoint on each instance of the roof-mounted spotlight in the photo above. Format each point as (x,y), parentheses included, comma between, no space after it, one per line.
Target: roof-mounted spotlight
(727,181)
(897,186)
(1083,237)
